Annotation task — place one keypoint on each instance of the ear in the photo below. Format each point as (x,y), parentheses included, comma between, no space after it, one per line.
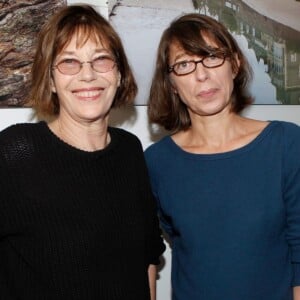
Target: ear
(52,84)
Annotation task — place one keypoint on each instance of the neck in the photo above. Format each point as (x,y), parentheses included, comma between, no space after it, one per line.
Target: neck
(214,129)
(84,136)
(211,134)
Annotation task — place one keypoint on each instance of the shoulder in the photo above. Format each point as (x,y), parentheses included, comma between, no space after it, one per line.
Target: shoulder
(285,125)
(158,149)
(17,143)
(18,127)
(289,130)
(288,134)
(159,145)
(122,134)
(18,139)
(18,132)
(124,137)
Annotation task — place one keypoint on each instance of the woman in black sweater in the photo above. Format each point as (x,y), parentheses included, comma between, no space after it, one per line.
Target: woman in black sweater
(77,217)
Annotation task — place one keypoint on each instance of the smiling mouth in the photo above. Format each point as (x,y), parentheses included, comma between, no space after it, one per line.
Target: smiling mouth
(88,93)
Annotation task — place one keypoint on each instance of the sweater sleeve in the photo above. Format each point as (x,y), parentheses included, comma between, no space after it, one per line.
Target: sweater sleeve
(291,194)
(154,242)
(6,190)
(9,163)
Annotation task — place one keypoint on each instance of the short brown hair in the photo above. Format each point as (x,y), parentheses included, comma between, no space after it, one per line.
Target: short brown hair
(165,107)
(84,21)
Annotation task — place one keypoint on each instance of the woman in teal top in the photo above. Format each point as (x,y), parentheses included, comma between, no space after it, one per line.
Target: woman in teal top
(228,187)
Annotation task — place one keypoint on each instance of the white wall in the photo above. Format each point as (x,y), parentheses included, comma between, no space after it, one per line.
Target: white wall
(135,120)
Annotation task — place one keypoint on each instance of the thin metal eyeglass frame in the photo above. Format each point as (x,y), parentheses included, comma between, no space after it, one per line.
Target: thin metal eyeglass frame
(81,63)
(196,62)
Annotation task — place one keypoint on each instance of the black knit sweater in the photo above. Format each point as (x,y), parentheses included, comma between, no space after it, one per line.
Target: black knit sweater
(74,224)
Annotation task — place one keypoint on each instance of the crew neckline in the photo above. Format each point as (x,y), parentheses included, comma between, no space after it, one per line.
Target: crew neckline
(176,148)
(66,146)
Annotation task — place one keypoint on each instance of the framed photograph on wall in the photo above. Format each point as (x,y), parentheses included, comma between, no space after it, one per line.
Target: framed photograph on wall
(19,26)
(267,31)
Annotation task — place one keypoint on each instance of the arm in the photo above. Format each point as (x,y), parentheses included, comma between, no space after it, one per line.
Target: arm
(152,281)
(154,241)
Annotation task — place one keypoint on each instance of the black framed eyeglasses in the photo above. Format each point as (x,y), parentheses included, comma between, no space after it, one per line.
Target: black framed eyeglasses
(71,66)
(210,61)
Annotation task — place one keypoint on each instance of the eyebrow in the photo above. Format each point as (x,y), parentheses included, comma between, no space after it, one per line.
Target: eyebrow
(106,51)
(212,51)
(179,56)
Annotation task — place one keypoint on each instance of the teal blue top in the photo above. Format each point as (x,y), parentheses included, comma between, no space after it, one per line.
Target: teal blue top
(233,218)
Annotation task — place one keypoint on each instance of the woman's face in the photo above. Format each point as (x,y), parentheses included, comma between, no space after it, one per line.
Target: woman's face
(86,96)
(206,91)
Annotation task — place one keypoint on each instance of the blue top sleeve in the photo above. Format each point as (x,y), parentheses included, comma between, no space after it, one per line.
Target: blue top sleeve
(291,194)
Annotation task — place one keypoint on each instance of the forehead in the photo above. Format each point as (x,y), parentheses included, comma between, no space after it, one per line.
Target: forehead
(75,44)
(81,38)
(177,49)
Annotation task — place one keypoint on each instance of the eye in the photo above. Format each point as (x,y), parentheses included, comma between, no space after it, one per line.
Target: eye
(213,60)
(183,65)
(102,59)
(103,63)
(69,63)
(215,55)
(212,57)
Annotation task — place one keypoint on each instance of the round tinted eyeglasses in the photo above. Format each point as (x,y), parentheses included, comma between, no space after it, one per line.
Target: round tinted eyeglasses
(186,67)
(71,66)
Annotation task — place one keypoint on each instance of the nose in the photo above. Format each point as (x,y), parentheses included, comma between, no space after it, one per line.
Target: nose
(87,73)
(201,72)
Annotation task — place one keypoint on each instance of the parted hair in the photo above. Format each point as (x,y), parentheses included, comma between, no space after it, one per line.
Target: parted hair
(84,22)
(189,32)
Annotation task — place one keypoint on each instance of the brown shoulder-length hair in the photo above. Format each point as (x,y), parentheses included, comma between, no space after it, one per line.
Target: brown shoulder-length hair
(86,23)
(189,32)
